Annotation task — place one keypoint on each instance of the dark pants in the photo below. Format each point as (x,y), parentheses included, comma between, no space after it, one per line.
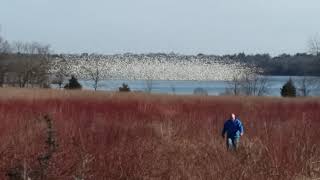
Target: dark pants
(233,143)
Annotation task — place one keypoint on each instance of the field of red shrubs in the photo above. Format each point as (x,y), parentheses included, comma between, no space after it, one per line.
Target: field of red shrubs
(52,134)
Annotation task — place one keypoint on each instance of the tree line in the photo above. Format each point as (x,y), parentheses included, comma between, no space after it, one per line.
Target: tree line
(300,64)
(24,64)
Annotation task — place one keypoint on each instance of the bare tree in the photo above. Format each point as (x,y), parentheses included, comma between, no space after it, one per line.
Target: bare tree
(149,84)
(248,83)
(33,48)
(31,68)
(173,89)
(31,72)
(234,85)
(60,72)
(3,66)
(3,71)
(307,84)
(254,85)
(95,76)
(18,47)
(314,45)
(60,78)
(95,71)
(5,47)
(1,42)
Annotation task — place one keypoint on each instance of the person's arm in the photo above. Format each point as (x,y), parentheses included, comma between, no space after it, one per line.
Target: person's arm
(224,129)
(241,129)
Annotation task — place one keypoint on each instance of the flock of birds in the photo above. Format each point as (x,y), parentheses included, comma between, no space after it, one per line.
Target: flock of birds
(147,67)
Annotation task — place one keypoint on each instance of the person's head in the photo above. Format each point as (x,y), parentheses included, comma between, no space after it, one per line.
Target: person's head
(233,116)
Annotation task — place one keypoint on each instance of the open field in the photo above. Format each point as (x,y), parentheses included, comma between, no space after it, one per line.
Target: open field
(56,134)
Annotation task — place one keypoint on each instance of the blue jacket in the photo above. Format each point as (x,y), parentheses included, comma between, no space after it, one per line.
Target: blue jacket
(232,128)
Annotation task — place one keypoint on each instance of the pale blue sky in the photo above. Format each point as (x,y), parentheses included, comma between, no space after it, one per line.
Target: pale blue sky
(183,26)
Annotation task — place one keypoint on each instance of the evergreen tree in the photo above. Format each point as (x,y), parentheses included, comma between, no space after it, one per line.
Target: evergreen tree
(124,88)
(73,84)
(288,89)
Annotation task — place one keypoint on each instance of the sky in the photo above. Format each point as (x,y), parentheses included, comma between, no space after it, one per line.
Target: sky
(181,26)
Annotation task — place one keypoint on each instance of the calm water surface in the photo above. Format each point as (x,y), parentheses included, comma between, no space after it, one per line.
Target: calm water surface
(187,87)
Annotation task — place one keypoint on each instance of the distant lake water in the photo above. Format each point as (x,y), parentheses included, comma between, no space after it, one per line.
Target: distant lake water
(187,87)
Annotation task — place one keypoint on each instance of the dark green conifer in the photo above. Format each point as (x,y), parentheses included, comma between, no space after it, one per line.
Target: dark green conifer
(288,89)
(73,84)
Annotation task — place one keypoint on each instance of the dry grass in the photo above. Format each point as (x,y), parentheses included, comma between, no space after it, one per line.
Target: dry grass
(139,136)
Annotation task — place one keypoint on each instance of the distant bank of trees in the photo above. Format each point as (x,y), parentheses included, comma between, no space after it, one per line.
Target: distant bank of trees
(24,64)
(300,64)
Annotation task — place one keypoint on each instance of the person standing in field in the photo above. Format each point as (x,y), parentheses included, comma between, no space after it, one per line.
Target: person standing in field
(234,129)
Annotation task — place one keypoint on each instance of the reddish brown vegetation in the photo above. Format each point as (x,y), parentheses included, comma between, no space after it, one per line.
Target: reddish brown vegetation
(132,136)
